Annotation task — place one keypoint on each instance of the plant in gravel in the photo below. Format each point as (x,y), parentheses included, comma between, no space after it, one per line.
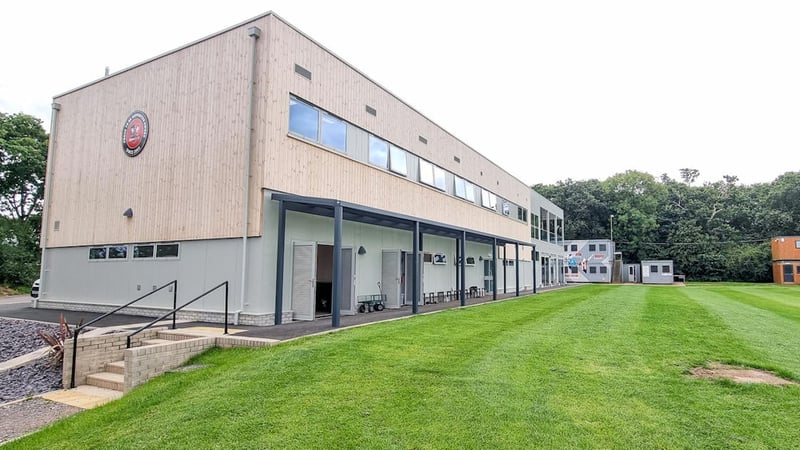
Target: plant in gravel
(57,340)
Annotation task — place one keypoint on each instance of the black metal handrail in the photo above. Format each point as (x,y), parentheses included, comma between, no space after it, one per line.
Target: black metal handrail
(78,329)
(224,283)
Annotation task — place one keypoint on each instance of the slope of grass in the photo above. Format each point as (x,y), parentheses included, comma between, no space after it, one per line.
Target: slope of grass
(587,367)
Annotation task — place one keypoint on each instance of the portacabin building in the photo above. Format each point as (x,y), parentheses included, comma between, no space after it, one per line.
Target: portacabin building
(256,162)
(589,261)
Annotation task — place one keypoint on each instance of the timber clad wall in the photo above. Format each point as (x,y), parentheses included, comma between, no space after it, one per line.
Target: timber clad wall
(188,181)
(298,167)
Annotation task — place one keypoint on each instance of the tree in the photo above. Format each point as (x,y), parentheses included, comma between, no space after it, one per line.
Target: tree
(23,159)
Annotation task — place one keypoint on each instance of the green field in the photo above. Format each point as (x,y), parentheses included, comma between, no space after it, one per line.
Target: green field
(595,366)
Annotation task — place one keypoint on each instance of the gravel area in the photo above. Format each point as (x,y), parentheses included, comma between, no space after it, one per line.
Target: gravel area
(18,418)
(18,337)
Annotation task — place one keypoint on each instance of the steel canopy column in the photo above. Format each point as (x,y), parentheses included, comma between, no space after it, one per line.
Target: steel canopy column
(494,269)
(415,270)
(516,264)
(463,268)
(533,258)
(280,263)
(336,286)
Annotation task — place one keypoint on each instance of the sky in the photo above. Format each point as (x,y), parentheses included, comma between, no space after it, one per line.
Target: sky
(548,90)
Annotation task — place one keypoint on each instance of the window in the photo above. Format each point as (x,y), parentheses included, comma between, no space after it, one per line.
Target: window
(522,214)
(573,247)
(470,191)
(592,247)
(536,230)
(506,208)
(378,152)
(797,243)
(461,187)
(653,269)
(303,119)
(397,160)
(427,257)
(488,199)
(334,132)
(143,251)
(426,172)
(573,269)
(439,178)
(565,247)
(471,262)
(602,247)
(97,253)
(167,251)
(118,252)
(666,269)
(603,269)
(592,269)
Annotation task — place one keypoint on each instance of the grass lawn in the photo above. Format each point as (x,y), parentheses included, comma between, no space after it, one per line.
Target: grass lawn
(595,366)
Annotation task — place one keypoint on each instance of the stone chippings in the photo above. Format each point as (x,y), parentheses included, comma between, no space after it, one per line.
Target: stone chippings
(19,337)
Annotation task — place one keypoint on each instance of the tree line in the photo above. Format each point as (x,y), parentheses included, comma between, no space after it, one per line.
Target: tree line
(718,231)
(23,159)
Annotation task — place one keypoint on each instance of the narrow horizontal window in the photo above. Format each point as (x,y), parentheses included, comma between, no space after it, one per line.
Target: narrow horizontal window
(303,119)
(118,252)
(167,251)
(143,251)
(97,253)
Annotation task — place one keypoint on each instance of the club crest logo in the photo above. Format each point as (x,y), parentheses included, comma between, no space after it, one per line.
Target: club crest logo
(134,133)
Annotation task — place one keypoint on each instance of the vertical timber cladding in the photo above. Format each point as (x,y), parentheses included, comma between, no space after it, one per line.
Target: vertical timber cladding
(188,181)
(292,165)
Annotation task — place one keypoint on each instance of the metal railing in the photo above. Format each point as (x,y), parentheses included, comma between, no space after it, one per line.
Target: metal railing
(144,327)
(78,329)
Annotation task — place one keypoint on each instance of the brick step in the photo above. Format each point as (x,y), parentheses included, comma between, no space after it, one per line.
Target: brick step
(116,367)
(107,380)
(157,341)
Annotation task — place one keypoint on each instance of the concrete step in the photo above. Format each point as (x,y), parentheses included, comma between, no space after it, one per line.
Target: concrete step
(116,367)
(107,380)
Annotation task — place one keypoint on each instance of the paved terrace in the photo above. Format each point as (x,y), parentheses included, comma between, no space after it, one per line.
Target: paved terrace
(20,307)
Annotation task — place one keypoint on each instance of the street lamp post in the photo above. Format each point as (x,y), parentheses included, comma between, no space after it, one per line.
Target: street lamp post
(612,227)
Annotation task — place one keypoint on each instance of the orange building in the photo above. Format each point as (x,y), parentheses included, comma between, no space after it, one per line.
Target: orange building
(786,260)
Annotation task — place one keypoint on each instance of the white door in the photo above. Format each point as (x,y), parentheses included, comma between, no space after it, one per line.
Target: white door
(631,274)
(390,277)
(304,282)
(347,299)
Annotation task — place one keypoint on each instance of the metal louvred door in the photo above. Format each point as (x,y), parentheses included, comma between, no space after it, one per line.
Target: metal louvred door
(304,283)
(390,277)
(347,300)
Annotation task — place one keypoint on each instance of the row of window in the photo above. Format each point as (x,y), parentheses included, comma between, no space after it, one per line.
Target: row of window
(666,269)
(592,269)
(592,247)
(140,251)
(316,125)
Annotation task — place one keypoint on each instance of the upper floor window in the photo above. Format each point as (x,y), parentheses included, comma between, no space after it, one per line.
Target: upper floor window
(397,160)
(592,247)
(464,189)
(488,199)
(797,243)
(378,152)
(303,119)
(431,175)
(316,125)
(334,132)
(603,247)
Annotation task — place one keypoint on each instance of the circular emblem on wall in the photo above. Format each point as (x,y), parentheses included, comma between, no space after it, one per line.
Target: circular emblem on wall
(134,133)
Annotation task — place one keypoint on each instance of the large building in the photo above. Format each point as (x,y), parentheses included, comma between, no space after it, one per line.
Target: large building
(256,160)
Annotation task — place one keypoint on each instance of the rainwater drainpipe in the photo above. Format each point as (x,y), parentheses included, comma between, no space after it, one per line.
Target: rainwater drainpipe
(255,33)
(46,213)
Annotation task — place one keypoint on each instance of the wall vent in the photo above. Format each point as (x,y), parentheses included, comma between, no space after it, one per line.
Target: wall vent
(56,225)
(423,140)
(302,71)
(372,110)
(456,159)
